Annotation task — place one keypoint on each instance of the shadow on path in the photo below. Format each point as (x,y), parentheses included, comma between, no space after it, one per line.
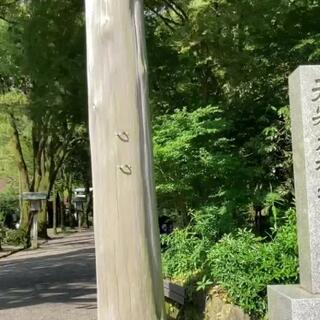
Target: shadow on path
(61,278)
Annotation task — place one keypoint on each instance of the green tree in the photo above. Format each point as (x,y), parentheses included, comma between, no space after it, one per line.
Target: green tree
(45,61)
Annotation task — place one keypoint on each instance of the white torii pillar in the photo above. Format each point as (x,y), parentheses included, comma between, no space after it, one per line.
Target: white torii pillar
(129,277)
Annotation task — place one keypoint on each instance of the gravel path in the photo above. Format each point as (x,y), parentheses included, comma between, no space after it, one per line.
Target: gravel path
(55,282)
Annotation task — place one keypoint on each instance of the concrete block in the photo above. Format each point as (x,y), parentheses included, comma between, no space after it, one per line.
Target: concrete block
(291,302)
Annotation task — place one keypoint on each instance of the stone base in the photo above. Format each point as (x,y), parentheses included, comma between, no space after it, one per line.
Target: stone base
(291,302)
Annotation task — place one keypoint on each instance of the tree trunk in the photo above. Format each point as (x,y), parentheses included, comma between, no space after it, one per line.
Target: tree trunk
(88,208)
(54,211)
(43,214)
(23,172)
(129,277)
(62,214)
(24,216)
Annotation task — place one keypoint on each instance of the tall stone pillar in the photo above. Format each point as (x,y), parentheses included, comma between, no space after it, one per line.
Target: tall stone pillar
(302,302)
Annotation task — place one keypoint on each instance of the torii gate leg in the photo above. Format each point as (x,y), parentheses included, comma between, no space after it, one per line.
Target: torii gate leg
(126,229)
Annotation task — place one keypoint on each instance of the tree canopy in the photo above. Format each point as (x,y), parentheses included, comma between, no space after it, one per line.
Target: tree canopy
(218,74)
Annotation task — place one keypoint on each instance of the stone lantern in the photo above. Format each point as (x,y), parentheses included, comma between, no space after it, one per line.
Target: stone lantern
(35,200)
(79,197)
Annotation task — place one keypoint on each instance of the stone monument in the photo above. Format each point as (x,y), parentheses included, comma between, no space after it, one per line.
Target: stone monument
(302,302)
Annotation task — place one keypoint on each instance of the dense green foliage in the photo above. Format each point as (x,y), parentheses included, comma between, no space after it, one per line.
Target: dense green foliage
(244,265)
(223,163)
(15,237)
(9,203)
(44,66)
(241,263)
(218,91)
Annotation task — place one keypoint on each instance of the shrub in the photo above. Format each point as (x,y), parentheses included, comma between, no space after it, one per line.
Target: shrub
(16,237)
(212,223)
(191,156)
(9,204)
(186,249)
(241,263)
(2,233)
(185,253)
(244,265)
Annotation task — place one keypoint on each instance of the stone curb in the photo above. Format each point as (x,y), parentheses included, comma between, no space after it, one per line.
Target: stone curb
(10,253)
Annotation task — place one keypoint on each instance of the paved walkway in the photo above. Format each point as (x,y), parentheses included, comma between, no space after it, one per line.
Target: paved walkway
(55,282)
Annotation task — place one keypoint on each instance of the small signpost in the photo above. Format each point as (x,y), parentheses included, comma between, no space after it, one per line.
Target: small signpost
(35,199)
(302,302)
